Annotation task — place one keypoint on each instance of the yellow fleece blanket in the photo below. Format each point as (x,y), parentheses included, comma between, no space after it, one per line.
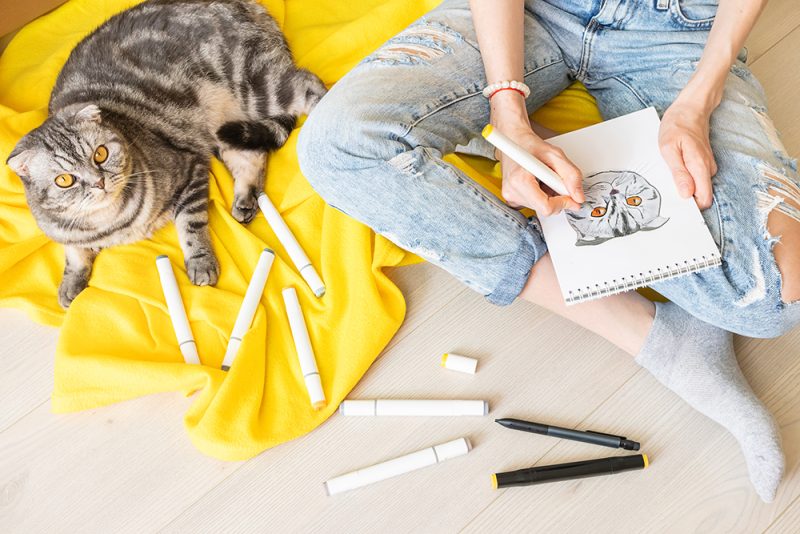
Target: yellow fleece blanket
(116,340)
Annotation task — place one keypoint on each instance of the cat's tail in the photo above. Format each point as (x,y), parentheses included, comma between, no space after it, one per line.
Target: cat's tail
(267,135)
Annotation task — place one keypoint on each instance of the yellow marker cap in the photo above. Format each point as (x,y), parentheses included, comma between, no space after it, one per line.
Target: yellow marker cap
(494,481)
(646,461)
(319,405)
(444,359)
(487,130)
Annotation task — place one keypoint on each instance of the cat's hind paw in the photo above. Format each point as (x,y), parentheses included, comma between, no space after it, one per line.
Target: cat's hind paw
(203,268)
(245,206)
(70,287)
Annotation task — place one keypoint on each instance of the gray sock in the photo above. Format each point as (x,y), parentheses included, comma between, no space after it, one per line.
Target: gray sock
(696,361)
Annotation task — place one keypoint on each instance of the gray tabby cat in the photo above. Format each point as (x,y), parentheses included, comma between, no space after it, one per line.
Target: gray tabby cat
(138,110)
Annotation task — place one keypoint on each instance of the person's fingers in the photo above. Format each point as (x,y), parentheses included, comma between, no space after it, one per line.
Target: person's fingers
(698,166)
(683,179)
(571,175)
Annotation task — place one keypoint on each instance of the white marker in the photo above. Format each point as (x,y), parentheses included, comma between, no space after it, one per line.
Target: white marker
(456,362)
(413,407)
(289,242)
(305,352)
(525,159)
(176,310)
(398,466)
(249,305)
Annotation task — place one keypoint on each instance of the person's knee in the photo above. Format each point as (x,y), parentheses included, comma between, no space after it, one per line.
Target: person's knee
(786,229)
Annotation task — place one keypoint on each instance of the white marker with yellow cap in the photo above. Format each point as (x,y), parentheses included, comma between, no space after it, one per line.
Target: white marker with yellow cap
(177,313)
(398,466)
(525,159)
(462,364)
(414,407)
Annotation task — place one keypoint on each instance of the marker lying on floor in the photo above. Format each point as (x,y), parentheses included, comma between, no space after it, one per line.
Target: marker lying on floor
(398,466)
(305,352)
(177,313)
(586,436)
(249,305)
(569,471)
(525,159)
(456,362)
(289,242)
(413,407)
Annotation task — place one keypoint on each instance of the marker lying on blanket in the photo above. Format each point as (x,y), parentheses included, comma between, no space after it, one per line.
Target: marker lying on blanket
(289,242)
(177,313)
(398,466)
(305,352)
(249,304)
(413,407)
(524,159)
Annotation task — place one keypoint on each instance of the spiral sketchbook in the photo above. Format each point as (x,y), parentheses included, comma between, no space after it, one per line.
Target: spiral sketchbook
(633,229)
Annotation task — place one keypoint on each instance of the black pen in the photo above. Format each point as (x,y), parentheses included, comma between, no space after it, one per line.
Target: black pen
(586,436)
(572,470)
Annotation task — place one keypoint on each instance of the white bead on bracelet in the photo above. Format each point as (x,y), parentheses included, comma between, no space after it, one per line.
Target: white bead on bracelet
(491,89)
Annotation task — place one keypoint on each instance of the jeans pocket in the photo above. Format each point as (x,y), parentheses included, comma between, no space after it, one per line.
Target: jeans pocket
(694,14)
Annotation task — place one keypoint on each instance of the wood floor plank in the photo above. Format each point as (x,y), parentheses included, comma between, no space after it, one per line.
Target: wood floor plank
(26,365)
(780,17)
(529,366)
(788,522)
(697,481)
(779,74)
(125,468)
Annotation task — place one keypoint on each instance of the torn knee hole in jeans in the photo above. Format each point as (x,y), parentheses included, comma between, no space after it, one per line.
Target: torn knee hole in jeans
(778,192)
(419,44)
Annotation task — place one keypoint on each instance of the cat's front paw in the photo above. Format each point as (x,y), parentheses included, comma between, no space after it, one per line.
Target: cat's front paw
(70,287)
(203,268)
(245,206)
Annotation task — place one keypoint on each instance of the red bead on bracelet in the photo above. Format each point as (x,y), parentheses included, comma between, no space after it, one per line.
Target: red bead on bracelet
(507,89)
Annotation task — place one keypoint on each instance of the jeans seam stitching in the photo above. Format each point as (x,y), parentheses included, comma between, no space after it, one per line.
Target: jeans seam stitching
(469,95)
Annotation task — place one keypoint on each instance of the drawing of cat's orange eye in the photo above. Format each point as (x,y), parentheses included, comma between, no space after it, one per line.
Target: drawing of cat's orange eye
(100,154)
(598,211)
(633,201)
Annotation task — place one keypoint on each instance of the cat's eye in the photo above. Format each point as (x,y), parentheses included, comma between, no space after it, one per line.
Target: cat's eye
(65,180)
(100,154)
(633,201)
(598,211)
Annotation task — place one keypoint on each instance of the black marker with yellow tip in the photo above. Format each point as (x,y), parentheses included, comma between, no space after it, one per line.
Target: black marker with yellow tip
(569,471)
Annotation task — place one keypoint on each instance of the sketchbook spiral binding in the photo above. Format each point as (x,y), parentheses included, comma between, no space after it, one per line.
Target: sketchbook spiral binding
(635,281)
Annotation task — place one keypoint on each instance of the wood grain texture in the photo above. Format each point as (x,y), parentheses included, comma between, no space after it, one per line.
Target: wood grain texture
(130,467)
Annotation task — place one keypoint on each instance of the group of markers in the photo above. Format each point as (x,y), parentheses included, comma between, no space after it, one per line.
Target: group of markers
(382,407)
(252,296)
(461,446)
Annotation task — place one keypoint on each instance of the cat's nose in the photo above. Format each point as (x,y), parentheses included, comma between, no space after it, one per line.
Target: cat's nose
(100,184)
(614,192)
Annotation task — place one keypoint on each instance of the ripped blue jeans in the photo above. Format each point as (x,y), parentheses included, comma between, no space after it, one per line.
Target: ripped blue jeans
(373,147)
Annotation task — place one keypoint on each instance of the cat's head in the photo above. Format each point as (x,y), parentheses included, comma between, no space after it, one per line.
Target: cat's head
(72,164)
(618,203)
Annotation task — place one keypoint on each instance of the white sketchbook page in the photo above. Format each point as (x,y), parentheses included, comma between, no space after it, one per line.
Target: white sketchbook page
(626,143)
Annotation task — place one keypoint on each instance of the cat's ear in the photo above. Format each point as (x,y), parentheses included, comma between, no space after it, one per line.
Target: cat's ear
(658,222)
(89,113)
(20,158)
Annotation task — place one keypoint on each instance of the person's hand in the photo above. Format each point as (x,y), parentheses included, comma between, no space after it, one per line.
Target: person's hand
(520,188)
(684,142)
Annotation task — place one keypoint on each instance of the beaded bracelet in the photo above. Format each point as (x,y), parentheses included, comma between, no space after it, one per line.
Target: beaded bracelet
(520,87)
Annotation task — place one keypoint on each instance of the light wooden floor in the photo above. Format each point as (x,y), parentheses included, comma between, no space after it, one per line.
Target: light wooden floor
(130,467)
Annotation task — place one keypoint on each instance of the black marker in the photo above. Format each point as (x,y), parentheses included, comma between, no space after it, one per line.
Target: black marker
(588,436)
(553,473)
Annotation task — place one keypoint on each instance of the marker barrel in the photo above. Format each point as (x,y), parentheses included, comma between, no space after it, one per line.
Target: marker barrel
(414,407)
(569,471)
(398,466)
(305,351)
(249,305)
(462,364)
(177,313)
(290,243)
(525,159)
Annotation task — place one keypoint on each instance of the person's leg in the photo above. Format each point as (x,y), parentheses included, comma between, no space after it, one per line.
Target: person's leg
(692,357)
(374,144)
